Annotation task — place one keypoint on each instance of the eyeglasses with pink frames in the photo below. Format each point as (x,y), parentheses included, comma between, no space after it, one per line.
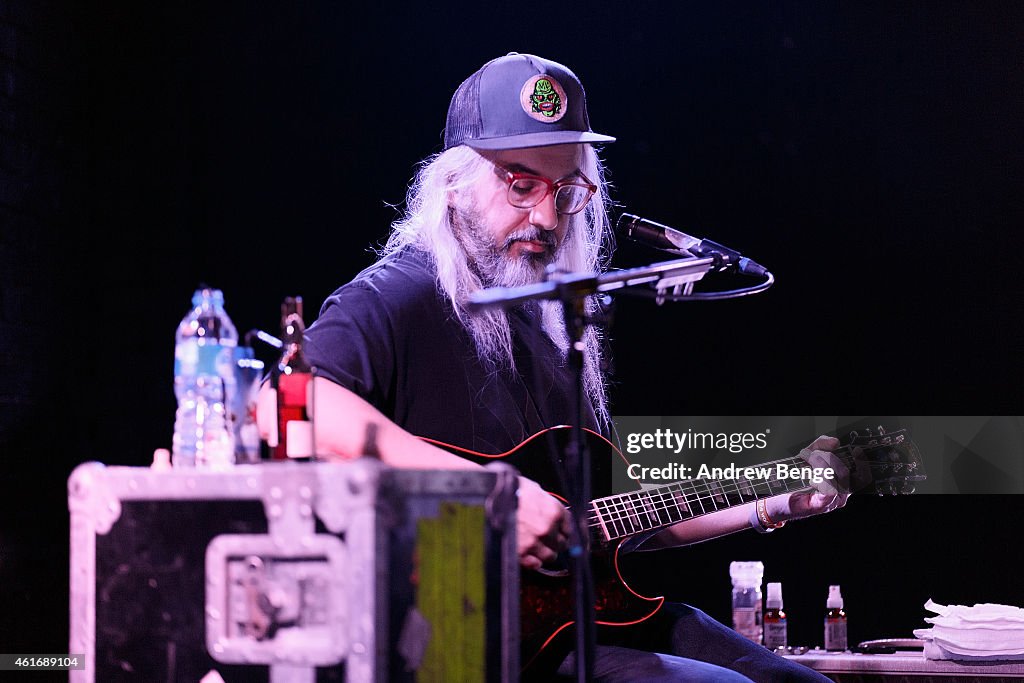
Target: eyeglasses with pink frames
(526,191)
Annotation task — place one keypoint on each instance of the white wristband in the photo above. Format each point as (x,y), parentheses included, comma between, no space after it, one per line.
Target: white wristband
(755,522)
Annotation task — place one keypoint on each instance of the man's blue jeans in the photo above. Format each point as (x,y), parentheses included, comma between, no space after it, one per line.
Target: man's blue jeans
(695,647)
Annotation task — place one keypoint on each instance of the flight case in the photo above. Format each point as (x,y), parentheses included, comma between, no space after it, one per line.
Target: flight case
(294,572)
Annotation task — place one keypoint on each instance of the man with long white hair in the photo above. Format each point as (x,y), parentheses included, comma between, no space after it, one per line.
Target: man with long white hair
(518,188)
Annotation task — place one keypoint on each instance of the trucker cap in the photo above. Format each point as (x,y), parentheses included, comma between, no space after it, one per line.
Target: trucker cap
(519,101)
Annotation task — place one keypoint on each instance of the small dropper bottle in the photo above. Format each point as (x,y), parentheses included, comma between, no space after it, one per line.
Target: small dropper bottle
(775,634)
(835,621)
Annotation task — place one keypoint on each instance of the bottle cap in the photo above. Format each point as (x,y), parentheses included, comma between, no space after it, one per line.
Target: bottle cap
(746,573)
(214,296)
(835,598)
(161,459)
(774,599)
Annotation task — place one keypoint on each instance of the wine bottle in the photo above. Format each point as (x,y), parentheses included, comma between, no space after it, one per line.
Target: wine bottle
(292,377)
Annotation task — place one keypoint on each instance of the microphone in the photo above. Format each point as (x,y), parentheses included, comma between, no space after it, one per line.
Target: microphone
(663,237)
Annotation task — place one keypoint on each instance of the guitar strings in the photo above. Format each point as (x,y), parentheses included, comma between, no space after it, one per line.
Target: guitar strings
(622,508)
(840,452)
(726,486)
(628,508)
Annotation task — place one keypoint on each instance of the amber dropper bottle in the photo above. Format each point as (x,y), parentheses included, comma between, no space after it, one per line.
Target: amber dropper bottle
(835,621)
(775,635)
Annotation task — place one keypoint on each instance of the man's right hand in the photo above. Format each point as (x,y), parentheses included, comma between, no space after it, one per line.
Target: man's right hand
(542,525)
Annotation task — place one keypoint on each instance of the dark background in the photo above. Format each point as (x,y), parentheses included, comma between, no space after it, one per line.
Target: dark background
(868,153)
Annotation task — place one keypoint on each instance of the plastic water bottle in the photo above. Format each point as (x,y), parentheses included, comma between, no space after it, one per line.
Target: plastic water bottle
(746,598)
(204,384)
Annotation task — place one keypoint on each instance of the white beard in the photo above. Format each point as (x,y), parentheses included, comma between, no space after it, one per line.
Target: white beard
(495,264)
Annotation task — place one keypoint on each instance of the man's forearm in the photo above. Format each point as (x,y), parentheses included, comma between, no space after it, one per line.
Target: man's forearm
(341,421)
(702,528)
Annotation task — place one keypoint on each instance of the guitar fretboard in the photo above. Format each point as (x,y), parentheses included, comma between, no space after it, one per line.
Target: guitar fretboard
(625,514)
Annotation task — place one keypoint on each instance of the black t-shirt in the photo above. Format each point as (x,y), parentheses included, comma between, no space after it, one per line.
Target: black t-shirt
(391,338)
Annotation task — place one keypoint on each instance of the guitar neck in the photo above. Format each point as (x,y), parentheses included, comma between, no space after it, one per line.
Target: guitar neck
(626,514)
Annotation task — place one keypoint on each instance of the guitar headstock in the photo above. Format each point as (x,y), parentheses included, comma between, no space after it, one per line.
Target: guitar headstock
(889,461)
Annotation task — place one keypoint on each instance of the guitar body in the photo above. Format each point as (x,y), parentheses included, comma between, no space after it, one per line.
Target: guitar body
(546,608)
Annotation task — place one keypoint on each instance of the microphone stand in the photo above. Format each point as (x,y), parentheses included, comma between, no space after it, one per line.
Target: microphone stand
(677,275)
(573,295)
(573,289)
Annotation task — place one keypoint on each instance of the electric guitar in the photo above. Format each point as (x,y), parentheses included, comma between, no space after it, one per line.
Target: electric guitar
(888,460)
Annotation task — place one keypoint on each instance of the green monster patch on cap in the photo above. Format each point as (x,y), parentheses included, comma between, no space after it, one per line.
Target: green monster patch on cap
(543,99)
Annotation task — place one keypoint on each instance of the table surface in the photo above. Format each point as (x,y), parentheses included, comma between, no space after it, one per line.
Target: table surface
(901,662)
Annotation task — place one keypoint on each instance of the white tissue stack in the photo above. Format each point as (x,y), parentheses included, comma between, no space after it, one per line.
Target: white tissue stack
(985,632)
